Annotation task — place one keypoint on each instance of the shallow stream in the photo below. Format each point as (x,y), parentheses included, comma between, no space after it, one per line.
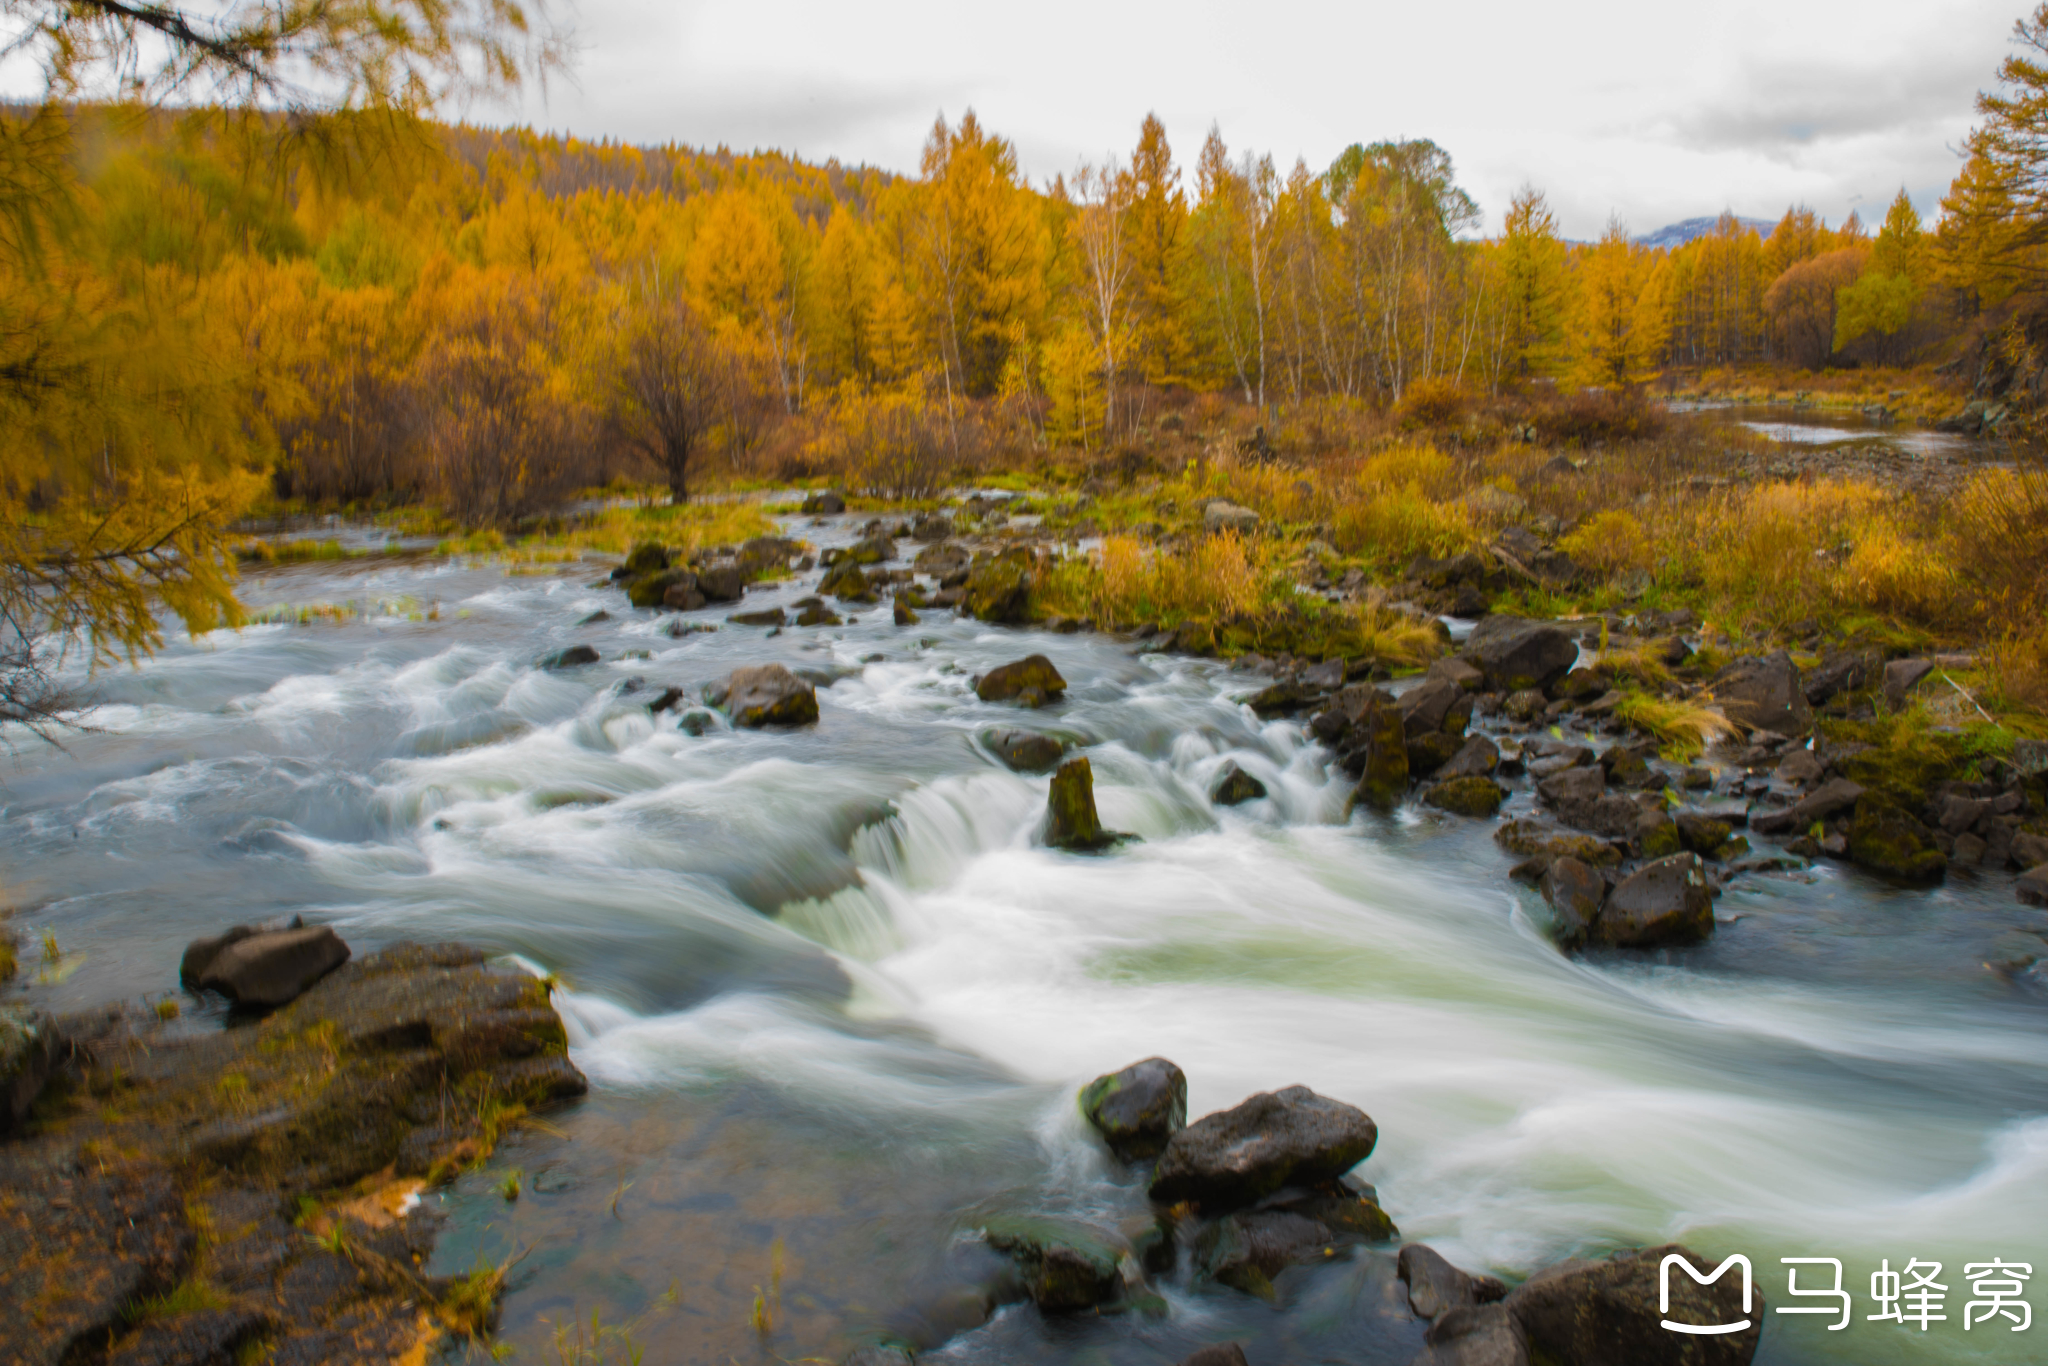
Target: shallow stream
(834,1002)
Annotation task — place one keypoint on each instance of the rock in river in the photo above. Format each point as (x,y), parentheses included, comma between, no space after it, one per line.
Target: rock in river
(1138,1109)
(770,695)
(1236,787)
(1025,751)
(1071,822)
(1665,902)
(1435,1287)
(262,969)
(1764,693)
(1585,1313)
(1276,1138)
(1031,681)
(1517,654)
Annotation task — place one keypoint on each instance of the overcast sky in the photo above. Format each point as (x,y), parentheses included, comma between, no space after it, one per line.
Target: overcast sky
(1653,111)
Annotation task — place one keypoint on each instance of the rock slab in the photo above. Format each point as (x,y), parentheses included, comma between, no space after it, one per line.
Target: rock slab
(1238,1156)
(262,970)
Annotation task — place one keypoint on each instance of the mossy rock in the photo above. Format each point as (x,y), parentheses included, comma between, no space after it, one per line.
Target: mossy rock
(648,557)
(1031,681)
(1138,1109)
(1384,781)
(1661,838)
(1430,751)
(1068,1267)
(999,589)
(1467,796)
(1886,840)
(1071,820)
(1904,760)
(848,582)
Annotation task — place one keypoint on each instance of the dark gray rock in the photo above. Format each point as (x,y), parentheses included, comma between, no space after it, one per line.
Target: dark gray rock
(1246,1250)
(1576,892)
(1573,787)
(1517,654)
(1478,757)
(1665,902)
(1138,1109)
(1479,1335)
(2031,887)
(1067,1267)
(569,657)
(1220,1354)
(263,970)
(1279,1138)
(1830,799)
(1764,693)
(1236,787)
(769,695)
(1459,670)
(1901,676)
(1605,1313)
(1844,671)
(1025,751)
(1435,1287)
(1424,707)
(826,504)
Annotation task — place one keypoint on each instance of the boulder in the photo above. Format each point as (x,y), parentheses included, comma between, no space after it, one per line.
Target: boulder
(1701,833)
(263,969)
(1071,821)
(1067,1267)
(1657,835)
(848,582)
(1830,799)
(1031,681)
(648,557)
(901,612)
(2031,887)
(1603,1313)
(770,695)
(1901,676)
(570,657)
(1236,787)
(1516,654)
(817,614)
(1545,844)
(1247,1249)
(1224,515)
(29,1049)
(1219,1354)
(1459,670)
(1467,796)
(826,504)
(1763,693)
(1887,840)
(1435,1287)
(872,550)
(682,595)
(1238,1156)
(1383,780)
(773,616)
(1430,752)
(1573,787)
(1138,1109)
(1478,757)
(1425,706)
(999,589)
(1665,902)
(724,583)
(1478,1335)
(1576,893)
(651,589)
(1843,671)
(1025,751)
(941,561)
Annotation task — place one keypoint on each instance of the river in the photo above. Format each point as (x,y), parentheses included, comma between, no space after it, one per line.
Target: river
(834,1003)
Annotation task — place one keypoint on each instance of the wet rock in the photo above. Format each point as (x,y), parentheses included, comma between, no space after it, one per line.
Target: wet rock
(1219,1354)
(817,614)
(1576,893)
(1516,654)
(724,583)
(1283,1138)
(1591,1313)
(773,616)
(648,557)
(1478,1335)
(764,554)
(2031,887)
(769,695)
(1901,676)
(1383,750)
(1031,682)
(1425,706)
(1067,1267)
(1071,820)
(1661,903)
(29,1048)
(1657,835)
(1702,834)
(942,561)
(570,657)
(1573,787)
(1223,515)
(1830,799)
(1546,844)
(1025,751)
(1429,753)
(1477,757)
(1525,705)
(1887,840)
(1435,1287)
(1246,1250)
(1466,796)
(900,609)
(263,969)
(999,589)
(826,504)
(1138,1109)
(1236,787)
(651,589)
(848,582)
(1763,693)
(1843,671)
(872,550)
(597,618)
(1799,769)
(1459,670)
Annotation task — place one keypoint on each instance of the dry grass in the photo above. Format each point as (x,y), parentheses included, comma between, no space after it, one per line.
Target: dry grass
(1684,729)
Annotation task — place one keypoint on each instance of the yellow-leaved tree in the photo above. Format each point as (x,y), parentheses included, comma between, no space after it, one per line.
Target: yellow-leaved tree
(138,388)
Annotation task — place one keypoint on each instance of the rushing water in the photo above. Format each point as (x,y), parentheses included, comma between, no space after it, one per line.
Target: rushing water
(834,1002)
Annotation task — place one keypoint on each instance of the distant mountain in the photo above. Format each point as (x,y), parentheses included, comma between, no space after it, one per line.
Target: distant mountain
(1678,234)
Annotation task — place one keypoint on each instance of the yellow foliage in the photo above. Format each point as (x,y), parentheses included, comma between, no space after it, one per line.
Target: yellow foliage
(1612,542)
